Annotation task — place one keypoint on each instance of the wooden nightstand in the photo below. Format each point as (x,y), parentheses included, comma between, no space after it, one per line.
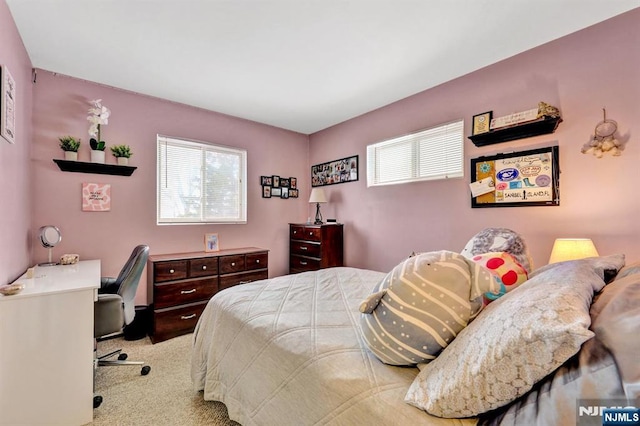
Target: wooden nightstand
(313,247)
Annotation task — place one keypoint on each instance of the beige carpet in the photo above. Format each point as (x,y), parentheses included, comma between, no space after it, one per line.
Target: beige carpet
(164,397)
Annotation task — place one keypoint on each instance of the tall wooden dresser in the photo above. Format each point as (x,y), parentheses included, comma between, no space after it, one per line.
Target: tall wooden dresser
(313,247)
(180,285)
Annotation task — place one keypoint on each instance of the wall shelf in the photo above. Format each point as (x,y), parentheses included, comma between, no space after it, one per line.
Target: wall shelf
(538,127)
(102,169)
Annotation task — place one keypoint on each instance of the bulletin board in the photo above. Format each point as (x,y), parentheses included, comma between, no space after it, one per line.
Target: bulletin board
(517,179)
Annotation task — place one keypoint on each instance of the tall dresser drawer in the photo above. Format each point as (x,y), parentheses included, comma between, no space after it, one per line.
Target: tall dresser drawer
(229,264)
(178,293)
(169,271)
(305,248)
(203,267)
(303,263)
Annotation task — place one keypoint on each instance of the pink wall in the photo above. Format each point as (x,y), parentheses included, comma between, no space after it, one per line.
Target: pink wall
(60,106)
(15,177)
(582,73)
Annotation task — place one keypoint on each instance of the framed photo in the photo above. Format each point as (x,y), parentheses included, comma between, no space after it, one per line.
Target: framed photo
(285,182)
(266,192)
(211,242)
(517,179)
(7,105)
(333,172)
(276,192)
(293,183)
(481,123)
(276,181)
(96,197)
(266,180)
(284,193)
(293,193)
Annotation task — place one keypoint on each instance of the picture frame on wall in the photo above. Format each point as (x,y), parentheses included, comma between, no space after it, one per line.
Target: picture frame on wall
(276,181)
(7,105)
(276,192)
(284,193)
(285,182)
(211,242)
(266,180)
(293,193)
(96,197)
(293,183)
(334,172)
(481,123)
(266,192)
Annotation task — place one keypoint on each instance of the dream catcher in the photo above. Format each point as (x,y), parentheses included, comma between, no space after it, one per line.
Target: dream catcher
(604,139)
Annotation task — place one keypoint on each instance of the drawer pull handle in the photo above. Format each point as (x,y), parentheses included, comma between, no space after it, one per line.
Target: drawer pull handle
(257,260)
(233,263)
(187,317)
(310,234)
(244,282)
(303,263)
(304,248)
(204,267)
(295,232)
(193,290)
(171,271)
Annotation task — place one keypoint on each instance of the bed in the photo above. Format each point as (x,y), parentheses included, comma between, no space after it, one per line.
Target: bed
(289,351)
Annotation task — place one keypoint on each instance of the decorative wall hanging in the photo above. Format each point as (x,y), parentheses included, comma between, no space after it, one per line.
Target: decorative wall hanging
(604,139)
(7,105)
(333,172)
(516,179)
(96,197)
(279,187)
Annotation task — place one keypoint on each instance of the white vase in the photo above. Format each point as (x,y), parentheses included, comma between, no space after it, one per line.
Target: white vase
(71,155)
(122,161)
(97,156)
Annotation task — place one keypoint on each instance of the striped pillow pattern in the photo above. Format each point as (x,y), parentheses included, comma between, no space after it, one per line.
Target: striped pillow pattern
(421,305)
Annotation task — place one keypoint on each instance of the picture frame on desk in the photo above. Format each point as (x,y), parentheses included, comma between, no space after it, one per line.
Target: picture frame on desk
(211,242)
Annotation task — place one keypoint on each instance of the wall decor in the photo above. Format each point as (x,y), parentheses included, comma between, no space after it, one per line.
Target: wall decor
(604,139)
(211,243)
(96,197)
(275,186)
(333,172)
(7,105)
(481,122)
(516,179)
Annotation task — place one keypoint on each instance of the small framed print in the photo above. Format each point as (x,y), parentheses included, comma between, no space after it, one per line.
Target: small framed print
(293,193)
(211,242)
(266,180)
(276,192)
(481,123)
(284,193)
(276,181)
(266,192)
(285,182)
(293,183)
(96,197)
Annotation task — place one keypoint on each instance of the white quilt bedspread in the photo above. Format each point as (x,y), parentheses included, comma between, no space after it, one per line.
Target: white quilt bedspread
(288,351)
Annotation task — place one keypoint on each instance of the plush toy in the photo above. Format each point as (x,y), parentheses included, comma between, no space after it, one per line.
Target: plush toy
(422,304)
(496,240)
(506,270)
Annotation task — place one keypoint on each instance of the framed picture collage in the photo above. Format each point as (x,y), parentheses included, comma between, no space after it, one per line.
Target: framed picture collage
(279,187)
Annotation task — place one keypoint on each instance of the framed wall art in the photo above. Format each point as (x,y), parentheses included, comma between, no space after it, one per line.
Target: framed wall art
(96,197)
(275,186)
(334,172)
(516,179)
(7,105)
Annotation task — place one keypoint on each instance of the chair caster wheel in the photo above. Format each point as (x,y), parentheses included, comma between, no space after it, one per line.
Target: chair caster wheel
(122,357)
(97,400)
(145,370)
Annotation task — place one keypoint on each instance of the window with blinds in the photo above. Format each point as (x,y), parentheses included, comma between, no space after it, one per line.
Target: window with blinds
(435,153)
(198,182)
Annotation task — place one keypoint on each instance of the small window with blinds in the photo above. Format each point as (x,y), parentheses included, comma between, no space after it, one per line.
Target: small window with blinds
(435,153)
(199,182)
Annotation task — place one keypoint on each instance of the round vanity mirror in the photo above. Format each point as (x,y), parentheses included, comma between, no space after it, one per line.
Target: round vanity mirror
(49,237)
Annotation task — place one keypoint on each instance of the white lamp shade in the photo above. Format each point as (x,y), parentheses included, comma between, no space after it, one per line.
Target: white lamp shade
(571,249)
(317,196)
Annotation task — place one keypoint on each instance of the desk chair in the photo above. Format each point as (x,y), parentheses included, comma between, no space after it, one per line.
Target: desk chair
(115,308)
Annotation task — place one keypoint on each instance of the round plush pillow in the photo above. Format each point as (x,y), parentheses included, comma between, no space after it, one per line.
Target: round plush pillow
(506,270)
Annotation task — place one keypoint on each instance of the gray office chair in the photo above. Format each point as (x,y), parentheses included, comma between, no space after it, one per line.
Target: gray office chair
(115,308)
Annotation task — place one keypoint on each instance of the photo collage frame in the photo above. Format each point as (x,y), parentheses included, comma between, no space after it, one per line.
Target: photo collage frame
(279,187)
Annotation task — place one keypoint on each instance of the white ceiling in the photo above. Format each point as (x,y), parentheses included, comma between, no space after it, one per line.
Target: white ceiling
(302,65)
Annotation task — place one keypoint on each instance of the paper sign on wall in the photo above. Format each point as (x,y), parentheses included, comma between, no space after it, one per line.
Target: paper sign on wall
(96,197)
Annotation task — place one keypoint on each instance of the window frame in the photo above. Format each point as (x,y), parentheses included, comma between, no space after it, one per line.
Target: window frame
(241,218)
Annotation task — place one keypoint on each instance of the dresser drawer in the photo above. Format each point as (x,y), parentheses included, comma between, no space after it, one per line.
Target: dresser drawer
(305,248)
(172,322)
(203,267)
(296,232)
(229,264)
(303,263)
(167,271)
(173,294)
(227,281)
(256,261)
(306,233)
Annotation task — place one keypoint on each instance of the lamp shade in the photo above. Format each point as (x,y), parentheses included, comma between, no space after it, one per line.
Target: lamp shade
(571,249)
(317,196)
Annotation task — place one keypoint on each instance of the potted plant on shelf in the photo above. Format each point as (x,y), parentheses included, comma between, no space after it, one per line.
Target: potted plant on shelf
(122,154)
(98,115)
(70,146)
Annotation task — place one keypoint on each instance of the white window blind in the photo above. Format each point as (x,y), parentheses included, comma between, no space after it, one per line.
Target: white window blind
(435,153)
(198,182)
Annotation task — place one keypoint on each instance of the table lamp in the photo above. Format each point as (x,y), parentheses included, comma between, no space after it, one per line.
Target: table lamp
(571,249)
(318,196)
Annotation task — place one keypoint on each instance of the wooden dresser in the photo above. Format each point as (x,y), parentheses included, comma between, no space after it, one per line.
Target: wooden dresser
(180,285)
(313,247)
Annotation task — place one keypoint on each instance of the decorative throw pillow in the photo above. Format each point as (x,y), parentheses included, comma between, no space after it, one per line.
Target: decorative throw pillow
(506,270)
(421,305)
(516,341)
(499,239)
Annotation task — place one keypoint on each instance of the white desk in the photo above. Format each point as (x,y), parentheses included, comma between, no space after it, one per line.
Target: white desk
(46,347)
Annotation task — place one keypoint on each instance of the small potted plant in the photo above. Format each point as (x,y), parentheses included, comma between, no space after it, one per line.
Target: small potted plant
(70,146)
(98,115)
(122,154)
